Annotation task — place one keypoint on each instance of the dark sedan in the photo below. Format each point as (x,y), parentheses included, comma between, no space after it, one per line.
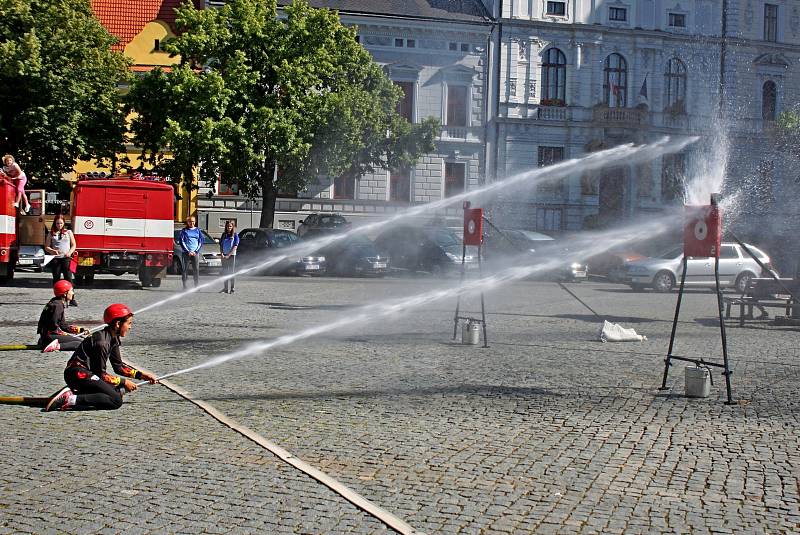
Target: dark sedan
(258,245)
(355,256)
(434,250)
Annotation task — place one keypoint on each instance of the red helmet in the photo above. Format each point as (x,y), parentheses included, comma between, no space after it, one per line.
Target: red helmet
(115,312)
(62,287)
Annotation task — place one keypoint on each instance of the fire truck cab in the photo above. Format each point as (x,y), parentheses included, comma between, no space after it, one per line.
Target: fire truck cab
(123,225)
(8,230)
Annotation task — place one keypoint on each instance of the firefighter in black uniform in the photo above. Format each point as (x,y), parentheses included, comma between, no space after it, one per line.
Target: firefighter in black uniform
(53,328)
(89,386)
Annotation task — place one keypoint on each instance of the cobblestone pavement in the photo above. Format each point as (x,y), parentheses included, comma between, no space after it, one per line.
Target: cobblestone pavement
(546,431)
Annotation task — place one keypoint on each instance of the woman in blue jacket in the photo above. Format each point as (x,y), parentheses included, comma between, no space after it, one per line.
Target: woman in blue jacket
(228,243)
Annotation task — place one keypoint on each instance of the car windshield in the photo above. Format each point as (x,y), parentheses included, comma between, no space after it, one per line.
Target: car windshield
(675,252)
(331,221)
(282,239)
(445,238)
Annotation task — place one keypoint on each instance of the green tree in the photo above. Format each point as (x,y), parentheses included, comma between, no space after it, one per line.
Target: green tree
(255,92)
(58,86)
(788,131)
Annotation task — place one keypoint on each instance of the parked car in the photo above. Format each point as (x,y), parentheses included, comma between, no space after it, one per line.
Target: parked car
(317,224)
(504,246)
(609,263)
(355,256)
(210,258)
(662,273)
(30,257)
(259,244)
(435,250)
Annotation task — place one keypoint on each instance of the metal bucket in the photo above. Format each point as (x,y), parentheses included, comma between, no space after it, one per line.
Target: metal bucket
(698,382)
(470,333)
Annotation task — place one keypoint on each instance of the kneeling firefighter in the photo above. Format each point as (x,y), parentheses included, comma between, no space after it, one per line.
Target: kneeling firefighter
(53,330)
(89,386)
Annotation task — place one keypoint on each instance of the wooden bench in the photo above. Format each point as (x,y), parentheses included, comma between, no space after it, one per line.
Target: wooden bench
(762,293)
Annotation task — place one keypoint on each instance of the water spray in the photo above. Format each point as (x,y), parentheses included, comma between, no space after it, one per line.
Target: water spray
(627,153)
(589,245)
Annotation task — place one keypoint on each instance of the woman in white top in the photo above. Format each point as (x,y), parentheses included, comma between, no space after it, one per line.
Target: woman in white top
(60,243)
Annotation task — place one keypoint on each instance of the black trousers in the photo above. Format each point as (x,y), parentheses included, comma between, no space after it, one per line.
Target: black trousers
(229,268)
(186,259)
(67,342)
(92,392)
(60,266)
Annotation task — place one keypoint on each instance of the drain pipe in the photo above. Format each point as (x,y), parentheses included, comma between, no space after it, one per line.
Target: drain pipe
(722,57)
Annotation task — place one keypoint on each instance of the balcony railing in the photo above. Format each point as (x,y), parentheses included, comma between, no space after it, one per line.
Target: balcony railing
(620,116)
(551,113)
(461,133)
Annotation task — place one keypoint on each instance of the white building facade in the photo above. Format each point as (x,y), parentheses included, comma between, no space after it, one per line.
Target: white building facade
(518,84)
(439,57)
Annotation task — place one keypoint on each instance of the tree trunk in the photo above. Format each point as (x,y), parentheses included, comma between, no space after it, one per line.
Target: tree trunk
(270,194)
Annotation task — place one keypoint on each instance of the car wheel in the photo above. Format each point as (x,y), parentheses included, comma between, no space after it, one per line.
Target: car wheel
(663,281)
(743,281)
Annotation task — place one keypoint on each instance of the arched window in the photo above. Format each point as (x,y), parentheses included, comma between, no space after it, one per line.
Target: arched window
(675,84)
(554,74)
(615,89)
(769,101)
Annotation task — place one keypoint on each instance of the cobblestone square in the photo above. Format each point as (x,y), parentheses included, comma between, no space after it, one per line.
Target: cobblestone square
(546,431)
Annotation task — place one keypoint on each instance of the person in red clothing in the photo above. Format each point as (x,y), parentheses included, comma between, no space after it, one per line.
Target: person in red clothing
(53,327)
(89,385)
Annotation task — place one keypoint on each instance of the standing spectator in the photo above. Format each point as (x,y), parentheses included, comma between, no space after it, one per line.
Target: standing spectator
(13,171)
(60,242)
(227,246)
(191,240)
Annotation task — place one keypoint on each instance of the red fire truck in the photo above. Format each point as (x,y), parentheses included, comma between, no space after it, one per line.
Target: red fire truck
(123,225)
(8,230)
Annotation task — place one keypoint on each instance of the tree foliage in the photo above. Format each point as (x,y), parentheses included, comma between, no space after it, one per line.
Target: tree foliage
(58,86)
(255,90)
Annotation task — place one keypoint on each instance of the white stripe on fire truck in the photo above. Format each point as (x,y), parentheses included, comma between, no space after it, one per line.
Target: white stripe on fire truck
(7,224)
(117,226)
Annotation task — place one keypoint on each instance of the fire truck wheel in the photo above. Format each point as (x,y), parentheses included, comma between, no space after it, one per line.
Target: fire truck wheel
(155,283)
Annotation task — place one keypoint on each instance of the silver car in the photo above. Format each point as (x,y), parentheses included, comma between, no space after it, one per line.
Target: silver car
(662,273)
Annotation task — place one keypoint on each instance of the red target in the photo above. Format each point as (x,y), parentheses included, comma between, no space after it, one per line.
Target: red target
(702,231)
(473,226)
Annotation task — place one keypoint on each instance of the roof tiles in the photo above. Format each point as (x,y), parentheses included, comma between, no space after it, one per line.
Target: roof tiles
(126,18)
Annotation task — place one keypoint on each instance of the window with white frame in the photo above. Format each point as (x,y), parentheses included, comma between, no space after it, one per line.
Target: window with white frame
(549,156)
(769,101)
(554,74)
(675,86)
(676,20)
(405,106)
(615,88)
(549,218)
(771,22)
(618,14)
(556,8)
(457,96)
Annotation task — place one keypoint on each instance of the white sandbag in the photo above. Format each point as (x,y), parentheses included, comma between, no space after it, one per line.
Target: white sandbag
(614,332)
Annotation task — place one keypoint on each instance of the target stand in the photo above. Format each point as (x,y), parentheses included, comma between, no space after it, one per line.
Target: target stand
(702,237)
(473,235)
